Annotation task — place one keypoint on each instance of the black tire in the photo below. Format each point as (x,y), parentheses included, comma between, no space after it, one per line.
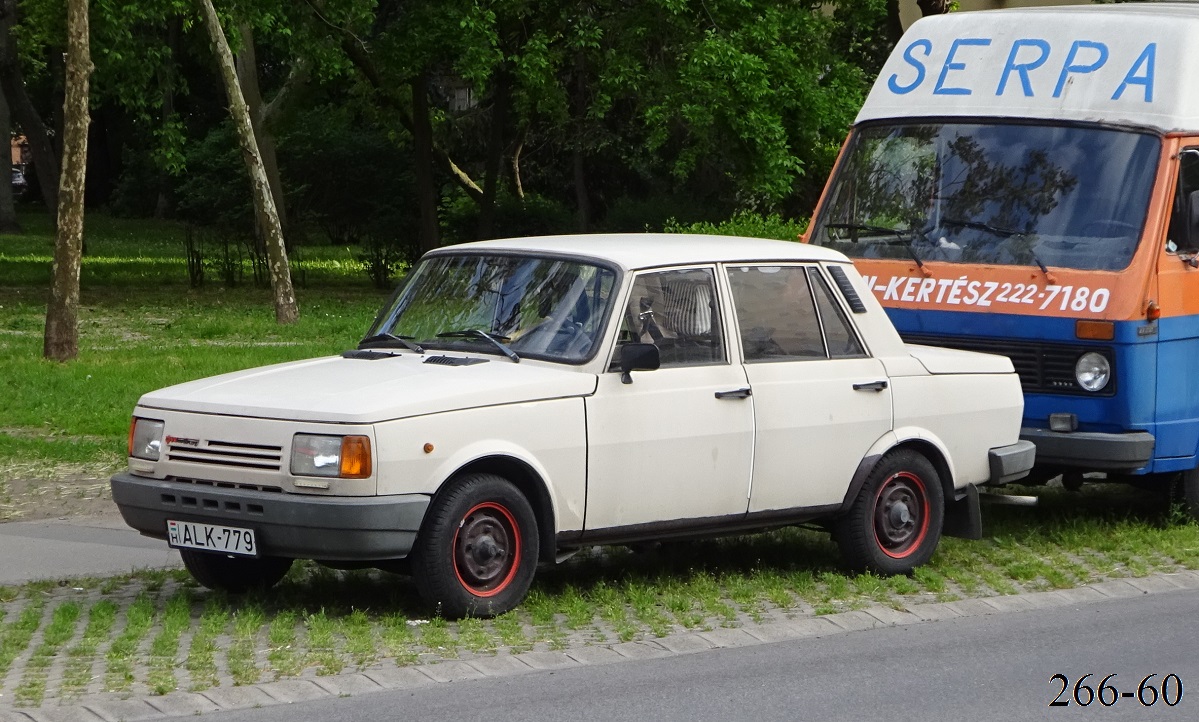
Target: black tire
(1184,492)
(234,574)
(894,524)
(477,549)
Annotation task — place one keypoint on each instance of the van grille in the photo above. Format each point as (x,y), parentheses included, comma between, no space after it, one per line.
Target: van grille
(228,454)
(1044,367)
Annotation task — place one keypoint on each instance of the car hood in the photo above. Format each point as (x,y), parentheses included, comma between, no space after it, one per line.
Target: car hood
(953,361)
(370,390)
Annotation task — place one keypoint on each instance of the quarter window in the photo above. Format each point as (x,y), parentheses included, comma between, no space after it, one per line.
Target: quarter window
(842,341)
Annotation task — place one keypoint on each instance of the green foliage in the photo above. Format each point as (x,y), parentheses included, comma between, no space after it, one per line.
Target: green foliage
(533,215)
(748,224)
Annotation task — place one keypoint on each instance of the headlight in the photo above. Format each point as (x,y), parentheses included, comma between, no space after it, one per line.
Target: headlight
(1092,371)
(348,457)
(145,439)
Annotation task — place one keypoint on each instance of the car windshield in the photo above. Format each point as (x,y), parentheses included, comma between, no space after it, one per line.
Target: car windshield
(1011,194)
(519,306)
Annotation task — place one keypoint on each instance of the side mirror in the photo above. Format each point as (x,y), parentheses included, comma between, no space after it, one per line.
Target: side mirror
(638,357)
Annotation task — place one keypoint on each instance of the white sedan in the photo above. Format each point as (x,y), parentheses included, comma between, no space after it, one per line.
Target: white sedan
(517,400)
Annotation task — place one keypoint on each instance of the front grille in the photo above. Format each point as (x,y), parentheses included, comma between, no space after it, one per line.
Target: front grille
(1044,367)
(225,484)
(228,454)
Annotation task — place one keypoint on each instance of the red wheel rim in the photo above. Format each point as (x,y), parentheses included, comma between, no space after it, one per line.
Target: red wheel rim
(901,515)
(486,549)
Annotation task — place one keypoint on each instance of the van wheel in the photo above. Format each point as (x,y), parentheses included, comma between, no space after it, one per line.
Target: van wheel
(234,574)
(1184,491)
(477,549)
(894,524)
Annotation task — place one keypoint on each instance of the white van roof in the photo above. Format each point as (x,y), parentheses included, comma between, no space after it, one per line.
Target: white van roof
(1130,64)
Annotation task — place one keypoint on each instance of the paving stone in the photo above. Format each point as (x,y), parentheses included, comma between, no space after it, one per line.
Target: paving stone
(892,617)
(238,697)
(1010,603)
(62,714)
(854,621)
(686,643)
(594,655)
(1188,579)
(399,677)
(813,627)
(1117,589)
(500,666)
(13,716)
(1081,595)
(1154,585)
(347,685)
(774,632)
(546,660)
(1045,600)
(640,650)
(123,710)
(451,671)
(178,704)
(972,607)
(729,637)
(289,691)
(934,611)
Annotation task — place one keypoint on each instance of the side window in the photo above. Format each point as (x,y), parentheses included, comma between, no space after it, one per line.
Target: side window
(676,311)
(842,341)
(1179,238)
(775,313)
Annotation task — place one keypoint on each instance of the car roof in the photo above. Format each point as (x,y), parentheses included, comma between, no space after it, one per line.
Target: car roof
(631,251)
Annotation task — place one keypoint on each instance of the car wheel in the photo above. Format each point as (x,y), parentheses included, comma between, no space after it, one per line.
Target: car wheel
(895,521)
(477,549)
(234,574)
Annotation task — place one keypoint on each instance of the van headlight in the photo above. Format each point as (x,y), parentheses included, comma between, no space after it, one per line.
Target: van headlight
(1093,371)
(346,457)
(145,439)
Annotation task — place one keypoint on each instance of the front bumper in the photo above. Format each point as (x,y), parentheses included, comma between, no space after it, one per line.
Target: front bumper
(345,528)
(1091,450)
(1012,462)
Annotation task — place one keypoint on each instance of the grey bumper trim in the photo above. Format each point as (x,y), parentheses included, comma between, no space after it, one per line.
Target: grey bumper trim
(1009,463)
(346,528)
(1091,449)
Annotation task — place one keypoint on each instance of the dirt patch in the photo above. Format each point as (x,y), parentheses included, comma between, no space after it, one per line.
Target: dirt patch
(28,499)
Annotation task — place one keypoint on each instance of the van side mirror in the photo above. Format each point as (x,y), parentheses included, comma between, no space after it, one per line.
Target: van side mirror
(638,357)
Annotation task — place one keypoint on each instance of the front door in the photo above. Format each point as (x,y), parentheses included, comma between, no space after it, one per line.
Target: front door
(676,444)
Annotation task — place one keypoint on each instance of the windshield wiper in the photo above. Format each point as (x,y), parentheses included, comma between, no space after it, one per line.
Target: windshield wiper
(904,237)
(388,339)
(497,341)
(1006,233)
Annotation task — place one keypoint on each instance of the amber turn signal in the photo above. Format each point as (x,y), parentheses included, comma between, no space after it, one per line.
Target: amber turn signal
(355,457)
(1095,330)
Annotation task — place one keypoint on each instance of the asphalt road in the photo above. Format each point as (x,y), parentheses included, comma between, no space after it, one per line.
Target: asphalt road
(76,547)
(997,667)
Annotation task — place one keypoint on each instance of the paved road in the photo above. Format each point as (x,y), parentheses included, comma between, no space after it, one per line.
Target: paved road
(79,546)
(995,667)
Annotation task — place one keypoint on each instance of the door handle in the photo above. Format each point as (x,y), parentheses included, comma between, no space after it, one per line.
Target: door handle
(872,386)
(736,394)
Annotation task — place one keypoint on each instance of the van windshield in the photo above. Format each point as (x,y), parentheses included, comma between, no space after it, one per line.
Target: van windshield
(1010,194)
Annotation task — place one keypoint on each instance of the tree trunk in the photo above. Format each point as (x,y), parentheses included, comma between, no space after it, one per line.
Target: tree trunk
(8,211)
(166,82)
(933,7)
(495,153)
(579,104)
(426,184)
(518,186)
(62,313)
(286,310)
(45,162)
(247,76)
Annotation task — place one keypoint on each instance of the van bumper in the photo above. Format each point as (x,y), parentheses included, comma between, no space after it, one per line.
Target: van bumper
(1091,449)
(1012,462)
(295,526)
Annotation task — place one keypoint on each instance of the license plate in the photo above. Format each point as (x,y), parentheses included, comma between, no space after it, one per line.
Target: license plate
(211,537)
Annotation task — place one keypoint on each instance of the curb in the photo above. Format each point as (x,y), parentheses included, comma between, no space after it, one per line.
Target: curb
(113,708)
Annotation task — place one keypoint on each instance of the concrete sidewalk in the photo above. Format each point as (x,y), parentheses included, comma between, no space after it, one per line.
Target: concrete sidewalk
(76,547)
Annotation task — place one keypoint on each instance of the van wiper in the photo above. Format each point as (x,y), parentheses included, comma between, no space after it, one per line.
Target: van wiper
(387,339)
(903,237)
(497,341)
(1006,233)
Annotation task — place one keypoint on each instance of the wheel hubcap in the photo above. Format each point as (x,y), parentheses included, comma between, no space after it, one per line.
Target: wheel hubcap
(486,549)
(900,515)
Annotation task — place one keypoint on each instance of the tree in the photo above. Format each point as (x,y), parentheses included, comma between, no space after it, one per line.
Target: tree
(286,309)
(8,212)
(62,313)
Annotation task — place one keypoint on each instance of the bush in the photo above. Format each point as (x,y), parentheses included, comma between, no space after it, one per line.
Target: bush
(746,223)
(514,217)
